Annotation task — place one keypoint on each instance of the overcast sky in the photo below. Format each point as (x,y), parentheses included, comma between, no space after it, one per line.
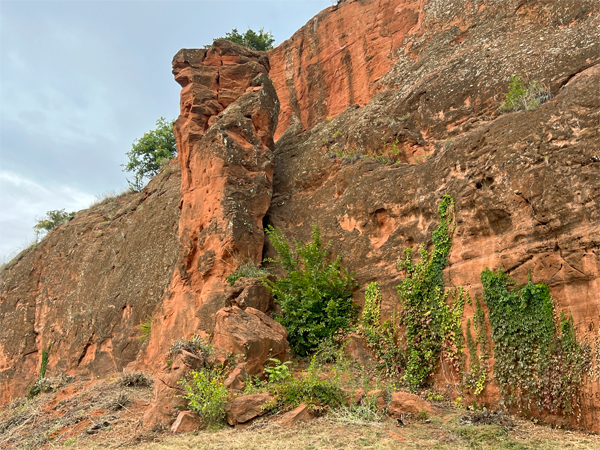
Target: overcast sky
(80,80)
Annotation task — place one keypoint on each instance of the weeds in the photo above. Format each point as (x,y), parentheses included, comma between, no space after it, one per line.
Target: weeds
(527,98)
(207,395)
(196,345)
(134,379)
(145,329)
(249,269)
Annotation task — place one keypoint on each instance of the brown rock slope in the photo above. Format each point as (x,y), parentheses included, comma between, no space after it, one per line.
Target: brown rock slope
(87,286)
(526,184)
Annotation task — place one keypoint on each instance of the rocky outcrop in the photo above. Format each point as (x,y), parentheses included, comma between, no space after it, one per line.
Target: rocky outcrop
(252,334)
(225,139)
(525,183)
(87,286)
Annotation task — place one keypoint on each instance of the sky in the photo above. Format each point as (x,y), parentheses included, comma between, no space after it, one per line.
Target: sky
(81,80)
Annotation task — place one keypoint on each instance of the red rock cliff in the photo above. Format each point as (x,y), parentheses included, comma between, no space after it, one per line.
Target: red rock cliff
(339,58)
(225,140)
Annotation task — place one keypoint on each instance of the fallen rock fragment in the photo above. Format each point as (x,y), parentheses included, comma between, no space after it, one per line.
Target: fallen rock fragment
(295,416)
(186,421)
(243,409)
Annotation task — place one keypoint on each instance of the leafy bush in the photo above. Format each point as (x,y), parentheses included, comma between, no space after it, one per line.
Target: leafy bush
(53,219)
(315,296)
(315,393)
(527,98)
(279,371)
(261,41)
(150,152)
(248,270)
(207,395)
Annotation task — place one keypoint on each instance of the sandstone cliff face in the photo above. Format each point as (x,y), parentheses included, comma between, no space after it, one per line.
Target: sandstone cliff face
(87,286)
(526,184)
(225,139)
(411,82)
(338,59)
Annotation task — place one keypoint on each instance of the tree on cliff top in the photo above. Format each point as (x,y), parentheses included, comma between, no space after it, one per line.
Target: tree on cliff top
(261,41)
(150,152)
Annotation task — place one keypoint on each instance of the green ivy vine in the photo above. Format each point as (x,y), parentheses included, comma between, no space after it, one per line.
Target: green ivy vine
(476,378)
(425,315)
(538,367)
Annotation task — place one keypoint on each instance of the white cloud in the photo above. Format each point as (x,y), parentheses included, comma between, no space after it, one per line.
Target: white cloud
(24,200)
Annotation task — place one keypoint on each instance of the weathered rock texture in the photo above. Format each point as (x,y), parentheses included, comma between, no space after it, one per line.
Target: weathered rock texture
(225,139)
(526,184)
(87,286)
(413,82)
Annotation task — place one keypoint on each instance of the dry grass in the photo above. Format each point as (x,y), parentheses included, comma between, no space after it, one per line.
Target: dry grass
(442,433)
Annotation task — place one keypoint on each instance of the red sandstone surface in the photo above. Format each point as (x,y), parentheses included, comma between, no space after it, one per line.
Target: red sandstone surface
(363,78)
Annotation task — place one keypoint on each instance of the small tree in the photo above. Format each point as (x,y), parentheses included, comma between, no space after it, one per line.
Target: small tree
(53,219)
(261,41)
(150,152)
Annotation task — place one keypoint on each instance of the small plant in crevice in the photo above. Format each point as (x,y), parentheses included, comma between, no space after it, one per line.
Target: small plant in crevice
(539,365)
(422,297)
(207,395)
(315,295)
(52,220)
(527,98)
(134,379)
(39,386)
(145,329)
(248,269)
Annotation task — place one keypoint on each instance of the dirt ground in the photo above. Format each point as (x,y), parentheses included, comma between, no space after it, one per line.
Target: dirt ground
(106,414)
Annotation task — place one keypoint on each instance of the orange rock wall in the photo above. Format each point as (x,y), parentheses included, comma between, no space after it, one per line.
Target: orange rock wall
(338,58)
(225,138)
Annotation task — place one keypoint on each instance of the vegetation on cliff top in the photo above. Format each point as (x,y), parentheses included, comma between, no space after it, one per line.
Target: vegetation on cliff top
(150,152)
(261,41)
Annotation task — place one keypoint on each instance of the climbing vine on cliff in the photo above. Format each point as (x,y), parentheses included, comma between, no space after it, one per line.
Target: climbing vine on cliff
(426,315)
(538,367)
(476,377)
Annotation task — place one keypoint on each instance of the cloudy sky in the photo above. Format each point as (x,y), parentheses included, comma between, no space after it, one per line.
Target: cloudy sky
(80,80)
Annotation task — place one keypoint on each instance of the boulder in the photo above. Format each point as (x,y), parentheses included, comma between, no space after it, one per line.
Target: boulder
(243,409)
(251,333)
(249,292)
(405,403)
(186,421)
(166,393)
(237,378)
(295,416)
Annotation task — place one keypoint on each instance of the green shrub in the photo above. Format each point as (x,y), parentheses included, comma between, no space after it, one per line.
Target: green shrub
(317,394)
(149,153)
(372,310)
(53,219)
(315,296)
(278,371)
(207,395)
(527,98)
(247,270)
(261,41)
